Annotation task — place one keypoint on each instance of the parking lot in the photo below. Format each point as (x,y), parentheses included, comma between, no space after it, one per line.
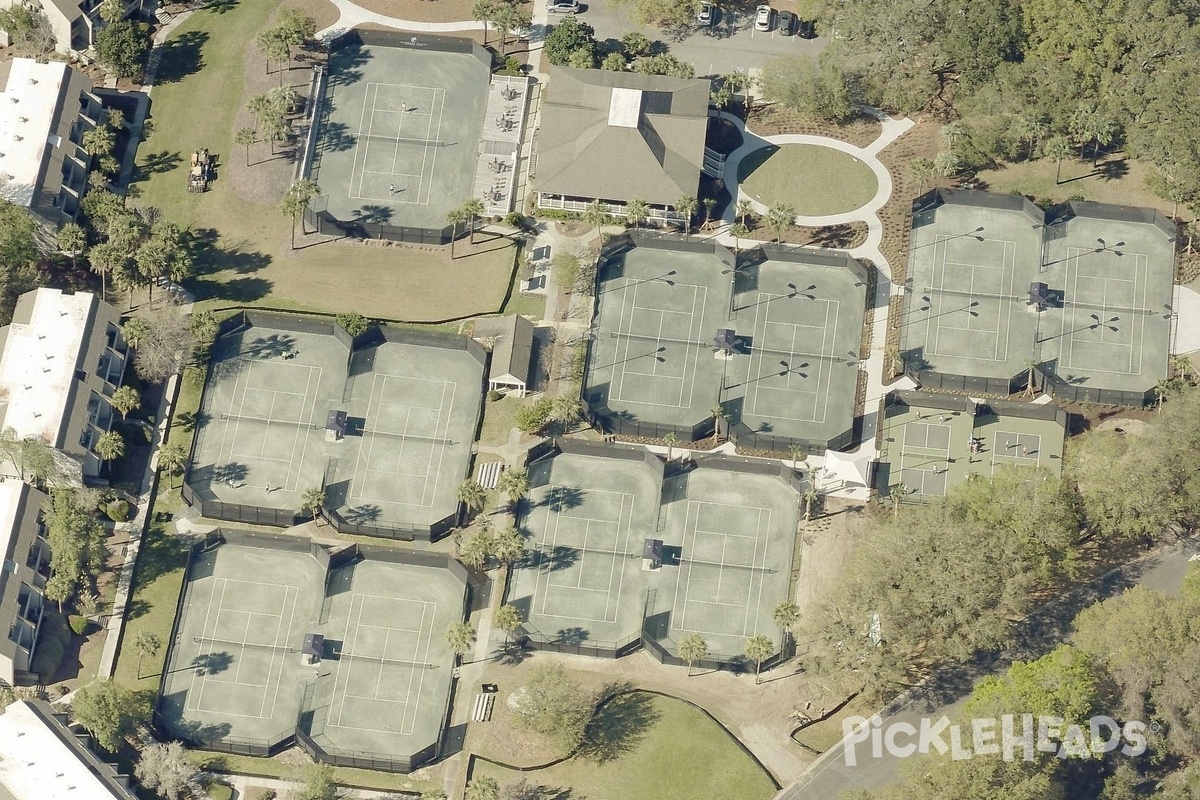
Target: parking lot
(730,44)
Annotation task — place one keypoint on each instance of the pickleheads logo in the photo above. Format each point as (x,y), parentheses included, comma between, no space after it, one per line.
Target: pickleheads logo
(1004,736)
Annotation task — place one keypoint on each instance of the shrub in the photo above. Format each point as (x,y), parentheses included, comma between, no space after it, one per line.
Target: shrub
(511,66)
(78,624)
(220,791)
(118,511)
(353,323)
(49,656)
(533,417)
(261,794)
(494,395)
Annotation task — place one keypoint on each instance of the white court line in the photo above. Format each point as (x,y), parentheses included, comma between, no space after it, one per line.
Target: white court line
(281,653)
(583,550)
(624,332)
(756,569)
(444,413)
(204,633)
(357,141)
(346,646)
(824,367)
(433,164)
(1137,329)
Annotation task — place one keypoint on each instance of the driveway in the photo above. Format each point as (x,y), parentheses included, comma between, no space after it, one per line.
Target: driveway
(731,44)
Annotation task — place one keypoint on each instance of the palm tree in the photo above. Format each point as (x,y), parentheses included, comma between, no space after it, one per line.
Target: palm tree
(245,137)
(595,214)
(145,643)
(135,331)
(514,482)
(484,11)
(720,416)
(454,216)
(891,359)
(671,439)
(780,217)
(637,211)
(923,169)
(508,544)
(106,259)
(758,649)
(946,164)
(810,501)
(172,457)
(566,408)
(111,11)
(476,550)
(786,615)
(744,208)
(98,141)
(1031,375)
(738,231)
(692,648)
(471,494)
(124,400)
(709,204)
(110,446)
(72,240)
(1058,148)
(461,638)
(298,196)
(472,210)
(507,619)
(686,206)
(897,493)
(1161,390)
(312,500)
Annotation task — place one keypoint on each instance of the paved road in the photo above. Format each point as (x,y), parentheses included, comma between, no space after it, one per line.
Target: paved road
(731,44)
(831,776)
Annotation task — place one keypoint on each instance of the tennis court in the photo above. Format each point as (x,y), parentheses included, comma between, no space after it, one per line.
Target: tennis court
(237,671)
(928,450)
(581,577)
(410,420)
(400,133)
(973,259)
(727,542)
(797,328)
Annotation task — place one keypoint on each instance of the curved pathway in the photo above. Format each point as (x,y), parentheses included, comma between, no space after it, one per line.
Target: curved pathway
(892,129)
(351,15)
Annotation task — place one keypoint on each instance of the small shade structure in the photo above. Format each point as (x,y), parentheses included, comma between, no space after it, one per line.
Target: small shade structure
(652,554)
(726,341)
(845,471)
(511,341)
(313,649)
(1041,297)
(335,426)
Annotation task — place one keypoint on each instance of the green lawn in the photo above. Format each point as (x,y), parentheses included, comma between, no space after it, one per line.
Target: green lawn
(247,259)
(815,180)
(274,768)
(652,746)
(499,417)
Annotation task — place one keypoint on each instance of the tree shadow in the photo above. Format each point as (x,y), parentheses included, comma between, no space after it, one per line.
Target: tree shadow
(363,514)
(511,653)
(231,472)
(344,65)
(220,6)
(181,56)
(571,636)
(211,663)
(190,420)
(618,726)
(210,254)
(564,498)
(335,137)
(162,161)
(271,346)
(245,290)
(373,214)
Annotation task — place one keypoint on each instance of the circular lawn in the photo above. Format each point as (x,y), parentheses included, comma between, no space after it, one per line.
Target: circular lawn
(817,181)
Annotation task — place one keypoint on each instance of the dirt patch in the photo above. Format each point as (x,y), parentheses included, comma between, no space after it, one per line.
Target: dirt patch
(324,12)
(571,228)
(845,236)
(421,10)
(772,120)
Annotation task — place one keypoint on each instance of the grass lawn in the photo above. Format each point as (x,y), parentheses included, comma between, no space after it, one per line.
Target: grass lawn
(652,746)
(499,417)
(249,260)
(1118,180)
(815,180)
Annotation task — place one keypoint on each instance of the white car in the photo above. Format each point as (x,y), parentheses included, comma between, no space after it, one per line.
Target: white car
(563,7)
(763,17)
(706,14)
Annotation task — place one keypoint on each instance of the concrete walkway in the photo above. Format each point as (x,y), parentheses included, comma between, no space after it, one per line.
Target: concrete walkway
(352,15)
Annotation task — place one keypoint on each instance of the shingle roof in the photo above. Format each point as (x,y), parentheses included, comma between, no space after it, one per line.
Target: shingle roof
(585,149)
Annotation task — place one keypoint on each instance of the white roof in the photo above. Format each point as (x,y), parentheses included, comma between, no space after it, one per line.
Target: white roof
(625,108)
(26,123)
(38,363)
(35,764)
(851,468)
(10,499)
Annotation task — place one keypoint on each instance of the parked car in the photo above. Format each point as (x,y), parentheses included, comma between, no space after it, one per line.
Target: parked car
(706,15)
(787,23)
(563,7)
(808,29)
(763,17)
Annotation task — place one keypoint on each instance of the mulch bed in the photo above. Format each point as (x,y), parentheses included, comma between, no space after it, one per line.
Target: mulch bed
(773,120)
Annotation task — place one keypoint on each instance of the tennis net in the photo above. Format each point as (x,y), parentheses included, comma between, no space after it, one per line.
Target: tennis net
(292,423)
(279,648)
(1025,299)
(725,565)
(394,662)
(366,137)
(750,349)
(414,437)
(550,549)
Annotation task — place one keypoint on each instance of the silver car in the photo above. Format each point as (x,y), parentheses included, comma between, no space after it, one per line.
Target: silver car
(563,7)
(764,16)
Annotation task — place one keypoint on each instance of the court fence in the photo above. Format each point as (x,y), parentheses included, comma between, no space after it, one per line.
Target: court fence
(618,423)
(198,481)
(1045,380)
(319,218)
(901,400)
(218,740)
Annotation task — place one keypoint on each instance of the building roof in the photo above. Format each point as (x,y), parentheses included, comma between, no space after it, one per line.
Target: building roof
(20,505)
(30,108)
(512,349)
(622,135)
(40,759)
(37,365)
